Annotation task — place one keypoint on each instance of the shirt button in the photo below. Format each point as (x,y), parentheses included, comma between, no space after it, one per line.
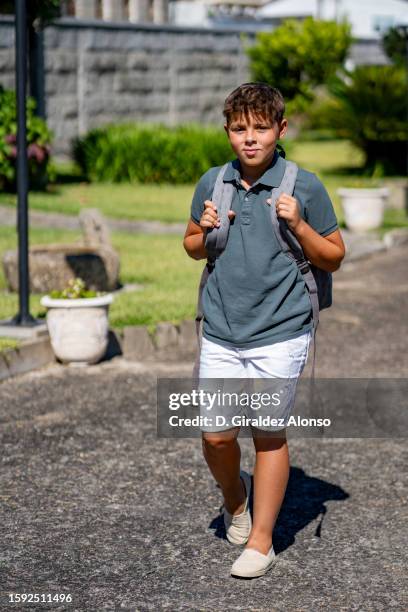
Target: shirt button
(246,198)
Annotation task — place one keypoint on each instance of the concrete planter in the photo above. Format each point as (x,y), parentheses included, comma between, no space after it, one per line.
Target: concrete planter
(78,328)
(363,208)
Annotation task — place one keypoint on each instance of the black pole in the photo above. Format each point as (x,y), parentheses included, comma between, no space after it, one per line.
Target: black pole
(405,31)
(23,317)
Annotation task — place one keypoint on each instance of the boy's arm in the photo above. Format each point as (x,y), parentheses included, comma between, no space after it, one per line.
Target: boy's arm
(325,252)
(319,236)
(194,240)
(203,215)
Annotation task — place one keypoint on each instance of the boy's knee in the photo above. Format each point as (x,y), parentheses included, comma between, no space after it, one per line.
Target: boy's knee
(268,440)
(219,441)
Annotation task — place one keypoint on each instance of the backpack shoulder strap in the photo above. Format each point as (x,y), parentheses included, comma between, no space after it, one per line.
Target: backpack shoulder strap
(291,246)
(215,243)
(216,238)
(286,239)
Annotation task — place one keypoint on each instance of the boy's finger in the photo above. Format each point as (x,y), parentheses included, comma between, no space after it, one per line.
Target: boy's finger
(209,204)
(205,223)
(210,214)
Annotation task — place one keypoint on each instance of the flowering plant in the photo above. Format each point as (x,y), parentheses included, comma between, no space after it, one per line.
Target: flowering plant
(75,289)
(38,144)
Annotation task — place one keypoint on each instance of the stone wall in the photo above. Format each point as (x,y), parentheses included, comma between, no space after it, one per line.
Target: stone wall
(98,72)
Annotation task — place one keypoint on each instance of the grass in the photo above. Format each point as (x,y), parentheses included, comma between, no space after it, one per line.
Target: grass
(166,203)
(158,262)
(393,218)
(335,162)
(8,343)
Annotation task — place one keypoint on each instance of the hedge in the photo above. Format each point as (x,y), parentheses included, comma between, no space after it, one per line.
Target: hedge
(151,153)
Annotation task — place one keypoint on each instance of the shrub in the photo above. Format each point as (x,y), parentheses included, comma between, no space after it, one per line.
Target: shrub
(318,121)
(395,44)
(299,55)
(151,153)
(371,111)
(38,144)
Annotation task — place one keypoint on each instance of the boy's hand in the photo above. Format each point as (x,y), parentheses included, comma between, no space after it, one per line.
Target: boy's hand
(287,208)
(210,218)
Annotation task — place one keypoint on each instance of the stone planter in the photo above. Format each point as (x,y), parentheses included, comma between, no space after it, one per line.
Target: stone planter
(78,328)
(363,208)
(52,266)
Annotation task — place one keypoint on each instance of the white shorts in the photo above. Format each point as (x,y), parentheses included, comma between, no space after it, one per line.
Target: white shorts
(279,365)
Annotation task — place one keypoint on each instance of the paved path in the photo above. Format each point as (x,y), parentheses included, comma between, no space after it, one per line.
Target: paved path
(62,221)
(357,245)
(94,504)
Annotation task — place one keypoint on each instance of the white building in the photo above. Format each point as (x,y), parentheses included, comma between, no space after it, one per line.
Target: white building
(368,18)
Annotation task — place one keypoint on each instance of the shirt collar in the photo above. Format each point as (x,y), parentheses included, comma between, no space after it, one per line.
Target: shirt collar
(272,177)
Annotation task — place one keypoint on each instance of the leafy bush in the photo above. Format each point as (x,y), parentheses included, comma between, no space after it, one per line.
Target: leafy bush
(151,153)
(299,55)
(38,144)
(318,121)
(371,111)
(395,42)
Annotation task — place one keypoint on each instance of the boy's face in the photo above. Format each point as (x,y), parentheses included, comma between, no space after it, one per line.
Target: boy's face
(254,139)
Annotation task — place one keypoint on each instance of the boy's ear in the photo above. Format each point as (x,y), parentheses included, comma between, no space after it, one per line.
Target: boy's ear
(226,128)
(283,128)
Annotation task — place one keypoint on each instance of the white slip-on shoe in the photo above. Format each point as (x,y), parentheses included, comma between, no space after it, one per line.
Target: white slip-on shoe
(238,526)
(252,563)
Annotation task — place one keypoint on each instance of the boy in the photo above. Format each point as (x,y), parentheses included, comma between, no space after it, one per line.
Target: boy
(257,311)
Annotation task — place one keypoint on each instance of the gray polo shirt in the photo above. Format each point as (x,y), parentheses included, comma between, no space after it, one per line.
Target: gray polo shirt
(256,295)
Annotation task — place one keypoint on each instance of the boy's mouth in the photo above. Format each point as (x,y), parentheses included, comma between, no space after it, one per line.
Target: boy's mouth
(250,151)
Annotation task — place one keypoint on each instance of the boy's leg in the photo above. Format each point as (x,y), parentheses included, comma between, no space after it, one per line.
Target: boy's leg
(283,360)
(220,447)
(271,474)
(223,456)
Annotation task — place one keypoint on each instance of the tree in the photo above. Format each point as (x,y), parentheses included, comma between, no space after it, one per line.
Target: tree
(371,112)
(299,55)
(395,44)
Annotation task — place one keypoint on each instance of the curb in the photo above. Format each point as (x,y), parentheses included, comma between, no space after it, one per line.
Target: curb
(170,343)
(360,246)
(26,357)
(396,237)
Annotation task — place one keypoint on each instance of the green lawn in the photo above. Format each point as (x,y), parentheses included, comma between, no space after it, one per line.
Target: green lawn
(166,203)
(333,161)
(159,263)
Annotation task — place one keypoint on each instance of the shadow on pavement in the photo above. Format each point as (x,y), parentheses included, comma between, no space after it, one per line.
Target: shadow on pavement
(304,502)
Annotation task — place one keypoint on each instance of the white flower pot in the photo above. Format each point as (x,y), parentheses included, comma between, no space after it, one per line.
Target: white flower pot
(78,328)
(363,208)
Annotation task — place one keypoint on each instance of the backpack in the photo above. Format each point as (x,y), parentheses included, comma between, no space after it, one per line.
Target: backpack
(318,282)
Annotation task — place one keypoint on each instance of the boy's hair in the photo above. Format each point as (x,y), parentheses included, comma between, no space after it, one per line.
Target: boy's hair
(259,99)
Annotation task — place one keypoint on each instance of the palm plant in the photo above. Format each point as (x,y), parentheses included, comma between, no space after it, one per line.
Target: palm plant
(371,111)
